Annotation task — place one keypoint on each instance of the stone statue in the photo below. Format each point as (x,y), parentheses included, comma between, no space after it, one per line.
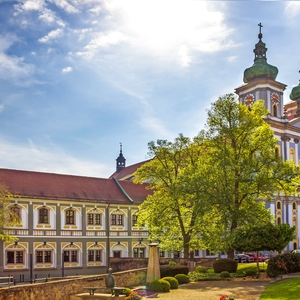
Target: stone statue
(110,280)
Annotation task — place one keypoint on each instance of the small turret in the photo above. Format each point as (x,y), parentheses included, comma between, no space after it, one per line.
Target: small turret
(121,161)
(295,93)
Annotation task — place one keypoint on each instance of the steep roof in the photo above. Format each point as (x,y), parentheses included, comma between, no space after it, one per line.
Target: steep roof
(28,184)
(127,172)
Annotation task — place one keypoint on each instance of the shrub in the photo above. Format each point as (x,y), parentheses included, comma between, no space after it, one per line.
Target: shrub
(201,269)
(251,273)
(283,264)
(159,285)
(126,292)
(172,263)
(173,282)
(182,278)
(172,270)
(224,275)
(225,264)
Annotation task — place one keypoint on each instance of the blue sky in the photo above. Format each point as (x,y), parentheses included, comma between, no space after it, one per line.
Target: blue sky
(77,77)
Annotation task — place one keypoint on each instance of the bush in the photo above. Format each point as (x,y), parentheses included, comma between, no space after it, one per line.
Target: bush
(173,282)
(159,285)
(201,269)
(252,273)
(182,278)
(224,275)
(172,263)
(283,264)
(172,270)
(225,264)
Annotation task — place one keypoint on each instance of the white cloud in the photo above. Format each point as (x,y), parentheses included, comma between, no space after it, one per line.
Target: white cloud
(183,56)
(65,5)
(27,5)
(292,8)
(42,159)
(51,35)
(67,70)
(12,66)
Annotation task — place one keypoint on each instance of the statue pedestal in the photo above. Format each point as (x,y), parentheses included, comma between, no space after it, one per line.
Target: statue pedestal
(153,270)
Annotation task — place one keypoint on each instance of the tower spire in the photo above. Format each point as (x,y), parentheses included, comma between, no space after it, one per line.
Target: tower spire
(121,161)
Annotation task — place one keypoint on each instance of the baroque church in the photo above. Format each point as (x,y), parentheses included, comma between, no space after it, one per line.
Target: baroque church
(75,224)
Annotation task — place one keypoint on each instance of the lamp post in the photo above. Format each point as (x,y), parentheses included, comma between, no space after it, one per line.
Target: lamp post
(108,239)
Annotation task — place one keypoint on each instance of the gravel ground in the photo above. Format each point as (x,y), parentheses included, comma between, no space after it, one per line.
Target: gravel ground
(213,290)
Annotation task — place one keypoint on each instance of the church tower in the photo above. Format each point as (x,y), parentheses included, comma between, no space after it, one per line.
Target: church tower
(260,83)
(121,161)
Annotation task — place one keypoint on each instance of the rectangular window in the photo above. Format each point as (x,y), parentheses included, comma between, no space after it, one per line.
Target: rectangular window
(196,253)
(73,256)
(66,256)
(43,215)
(134,220)
(94,219)
(15,213)
(161,253)
(10,257)
(39,256)
(47,256)
(19,257)
(119,219)
(116,253)
(70,217)
(94,255)
(138,252)
(113,219)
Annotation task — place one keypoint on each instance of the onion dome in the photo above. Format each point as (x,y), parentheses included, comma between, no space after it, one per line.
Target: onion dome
(295,93)
(260,68)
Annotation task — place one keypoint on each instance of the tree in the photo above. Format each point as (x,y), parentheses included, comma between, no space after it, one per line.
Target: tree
(260,237)
(244,168)
(174,211)
(8,217)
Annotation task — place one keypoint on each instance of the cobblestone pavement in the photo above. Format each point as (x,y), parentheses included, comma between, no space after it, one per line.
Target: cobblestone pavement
(213,290)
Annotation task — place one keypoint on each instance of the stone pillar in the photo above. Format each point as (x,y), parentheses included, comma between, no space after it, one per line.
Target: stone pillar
(153,270)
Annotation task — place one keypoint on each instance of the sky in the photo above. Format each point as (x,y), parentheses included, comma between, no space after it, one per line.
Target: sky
(79,77)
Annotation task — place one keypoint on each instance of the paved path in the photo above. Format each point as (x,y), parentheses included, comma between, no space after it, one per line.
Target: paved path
(213,290)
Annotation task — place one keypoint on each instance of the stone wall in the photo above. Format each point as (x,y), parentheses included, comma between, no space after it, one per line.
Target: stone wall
(62,289)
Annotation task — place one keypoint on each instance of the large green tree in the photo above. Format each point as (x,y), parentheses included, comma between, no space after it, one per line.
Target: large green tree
(8,217)
(244,169)
(203,189)
(174,210)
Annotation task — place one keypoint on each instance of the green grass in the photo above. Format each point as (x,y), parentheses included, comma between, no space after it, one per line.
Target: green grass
(251,266)
(288,289)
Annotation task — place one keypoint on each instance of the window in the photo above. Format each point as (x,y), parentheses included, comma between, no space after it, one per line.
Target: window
(176,254)
(94,255)
(14,257)
(138,252)
(278,221)
(134,220)
(161,253)
(116,219)
(117,253)
(294,206)
(275,110)
(43,256)
(94,219)
(196,253)
(278,205)
(70,256)
(43,215)
(70,217)
(15,213)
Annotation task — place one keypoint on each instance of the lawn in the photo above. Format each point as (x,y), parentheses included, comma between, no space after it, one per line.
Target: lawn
(288,289)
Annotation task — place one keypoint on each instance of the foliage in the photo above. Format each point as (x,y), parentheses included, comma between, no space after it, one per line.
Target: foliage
(201,269)
(173,282)
(159,285)
(133,296)
(283,264)
(206,187)
(172,263)
(174,211)
(172,270)
(259,237)
(225,297)
(182,278)
(225,264)
(284,290)
(224,274)
(8,217)
(126,292)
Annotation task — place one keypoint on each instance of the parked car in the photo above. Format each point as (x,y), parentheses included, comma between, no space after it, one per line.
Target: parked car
(255,258)
(296,251)
(239,258)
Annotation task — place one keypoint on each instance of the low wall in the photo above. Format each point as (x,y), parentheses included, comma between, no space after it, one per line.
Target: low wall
(62,289)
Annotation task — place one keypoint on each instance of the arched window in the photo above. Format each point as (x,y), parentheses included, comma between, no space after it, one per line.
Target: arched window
(275,110)
(278,205)
(294,206)
(15,213)
(295,247)
(277,151)
(278,221)
(292,155)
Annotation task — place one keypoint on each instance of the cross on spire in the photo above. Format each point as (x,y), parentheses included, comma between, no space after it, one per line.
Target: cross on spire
(260,34)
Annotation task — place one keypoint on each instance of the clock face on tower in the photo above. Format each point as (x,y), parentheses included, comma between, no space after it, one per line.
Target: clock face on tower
(275,98)
(249,99)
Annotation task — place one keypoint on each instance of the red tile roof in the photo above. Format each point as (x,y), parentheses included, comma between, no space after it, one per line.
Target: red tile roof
(51,186)
(125,173)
